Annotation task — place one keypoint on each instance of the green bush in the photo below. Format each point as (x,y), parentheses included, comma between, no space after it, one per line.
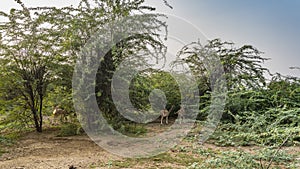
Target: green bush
(7,140)
(265,116)
(4,140)
(132,129)
(243,160)
(70,129)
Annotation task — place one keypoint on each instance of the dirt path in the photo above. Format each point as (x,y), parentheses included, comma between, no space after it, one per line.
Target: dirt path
(45,150)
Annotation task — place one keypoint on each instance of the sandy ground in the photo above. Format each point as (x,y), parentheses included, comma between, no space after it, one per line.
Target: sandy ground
(45,150)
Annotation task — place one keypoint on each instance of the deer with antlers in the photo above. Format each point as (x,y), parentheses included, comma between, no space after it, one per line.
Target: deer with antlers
(165,114)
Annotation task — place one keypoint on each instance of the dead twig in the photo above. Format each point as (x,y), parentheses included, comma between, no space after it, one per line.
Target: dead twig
(286,139)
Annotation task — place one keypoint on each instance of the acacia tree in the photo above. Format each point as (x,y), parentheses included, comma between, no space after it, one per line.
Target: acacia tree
(242,69)
(76,25)
(29,58)
(81,23)
(41,44)
(242,66)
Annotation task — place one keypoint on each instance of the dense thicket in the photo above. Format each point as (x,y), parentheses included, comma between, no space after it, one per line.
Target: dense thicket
(39,47)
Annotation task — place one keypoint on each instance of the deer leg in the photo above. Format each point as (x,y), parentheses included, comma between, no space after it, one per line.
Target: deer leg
(61,118)
(161,119)
(66,118)
(55,120)
(181,119)
(167,119)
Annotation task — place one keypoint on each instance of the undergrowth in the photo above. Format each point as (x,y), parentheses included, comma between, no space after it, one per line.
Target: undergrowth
(243,160)
(7,140)
(259,129)
(70,129)
(133,129)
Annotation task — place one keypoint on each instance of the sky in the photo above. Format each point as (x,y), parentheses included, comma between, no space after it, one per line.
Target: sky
(272,26)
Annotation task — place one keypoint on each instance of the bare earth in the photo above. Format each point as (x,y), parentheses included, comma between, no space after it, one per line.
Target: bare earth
(45,150)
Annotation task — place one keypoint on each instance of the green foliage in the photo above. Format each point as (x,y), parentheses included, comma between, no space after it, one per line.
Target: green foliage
(165,82)
(256,112)
(146,82)
(14,116)
(31,56)
(6,140)
(61,96)
(70,129)
(241,159)
(40,45)
(264,117)
(241,66)
(140,90)
(89,18)
(132,129)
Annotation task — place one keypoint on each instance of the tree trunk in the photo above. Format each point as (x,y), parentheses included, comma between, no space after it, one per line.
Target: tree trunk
(36,120)
(34,111)
(40,112)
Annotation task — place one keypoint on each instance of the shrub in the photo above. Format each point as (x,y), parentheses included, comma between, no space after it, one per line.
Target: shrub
(70,129)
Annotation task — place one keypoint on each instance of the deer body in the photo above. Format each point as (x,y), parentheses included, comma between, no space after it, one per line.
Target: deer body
(165,113)
(58,112)
(180,113)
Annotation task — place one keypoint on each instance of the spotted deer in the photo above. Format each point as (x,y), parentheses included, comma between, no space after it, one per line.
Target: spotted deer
(58,112)
(165,114)
(180,113)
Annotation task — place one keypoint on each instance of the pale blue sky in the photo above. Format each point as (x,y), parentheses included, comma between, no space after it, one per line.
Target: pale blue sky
(271,26)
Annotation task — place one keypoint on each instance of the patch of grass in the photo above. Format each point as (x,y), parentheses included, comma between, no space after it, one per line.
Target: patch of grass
(70,129)
(127,163)
(281,157)
(130,129)
(15,135)
(192,157)
(239,135)
(124,164)
(7,140)
(226,159)
(151,162)
(2,152)
(243,160)
(164,157)
(184,159)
